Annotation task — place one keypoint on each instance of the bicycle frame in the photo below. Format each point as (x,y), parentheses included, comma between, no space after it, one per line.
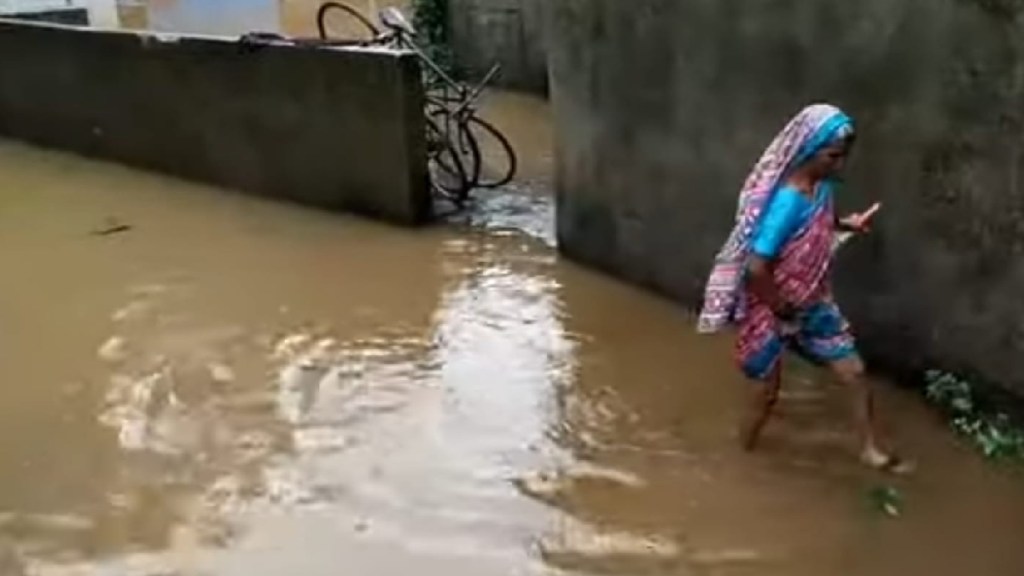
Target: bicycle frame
(449,108)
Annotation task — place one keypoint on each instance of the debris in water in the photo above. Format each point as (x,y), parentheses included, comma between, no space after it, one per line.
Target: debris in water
(887,500)
(111,226)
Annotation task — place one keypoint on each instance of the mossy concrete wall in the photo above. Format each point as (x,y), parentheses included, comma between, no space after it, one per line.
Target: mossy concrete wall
(338,129)
(662,106)
(509,32)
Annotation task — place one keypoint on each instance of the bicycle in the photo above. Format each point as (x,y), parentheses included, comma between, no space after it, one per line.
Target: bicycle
(453,103)
(349,13)
(454,130)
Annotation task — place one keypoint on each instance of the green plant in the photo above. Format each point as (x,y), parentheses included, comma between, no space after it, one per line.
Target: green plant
(949,392)
(887,500)
(430,17)
(993,433)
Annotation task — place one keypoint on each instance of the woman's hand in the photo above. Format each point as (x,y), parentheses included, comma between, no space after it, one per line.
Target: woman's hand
(860,222)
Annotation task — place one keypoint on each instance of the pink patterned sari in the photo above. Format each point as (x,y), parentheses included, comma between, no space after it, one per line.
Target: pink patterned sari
(723,291)
(801,271)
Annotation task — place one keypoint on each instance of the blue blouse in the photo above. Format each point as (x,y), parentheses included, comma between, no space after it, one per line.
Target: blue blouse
(787,212)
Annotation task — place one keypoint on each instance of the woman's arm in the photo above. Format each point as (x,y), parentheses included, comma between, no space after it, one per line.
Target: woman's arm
(762,282)
(778,224)
(858,222)
(843,225)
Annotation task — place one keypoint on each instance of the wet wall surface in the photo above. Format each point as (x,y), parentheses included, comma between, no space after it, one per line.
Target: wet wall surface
(508,32)
(336,129)
(662,107)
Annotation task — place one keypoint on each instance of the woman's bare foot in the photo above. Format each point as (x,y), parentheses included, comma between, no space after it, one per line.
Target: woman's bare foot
(885,462)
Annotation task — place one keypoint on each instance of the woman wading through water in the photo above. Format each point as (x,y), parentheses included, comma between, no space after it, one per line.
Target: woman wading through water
(771,278)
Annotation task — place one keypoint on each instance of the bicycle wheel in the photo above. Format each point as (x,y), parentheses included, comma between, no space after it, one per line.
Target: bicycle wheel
(467,151)
(447,173)
(346,23)
(495,160)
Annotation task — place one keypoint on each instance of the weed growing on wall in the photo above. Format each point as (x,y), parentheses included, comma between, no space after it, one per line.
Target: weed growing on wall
(993,433)
(430,17)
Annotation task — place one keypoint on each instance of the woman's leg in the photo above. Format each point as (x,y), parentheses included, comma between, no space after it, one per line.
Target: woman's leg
(759,349)
(850,371)
(826,338)
(764,396)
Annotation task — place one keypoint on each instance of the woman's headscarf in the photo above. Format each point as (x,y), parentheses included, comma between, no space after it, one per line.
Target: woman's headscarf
(808,132)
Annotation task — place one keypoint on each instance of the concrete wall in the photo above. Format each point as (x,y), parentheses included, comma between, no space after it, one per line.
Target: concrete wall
(662,106)
(511,32)
(330,128)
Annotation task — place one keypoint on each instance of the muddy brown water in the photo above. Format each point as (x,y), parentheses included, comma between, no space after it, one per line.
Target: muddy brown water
(223,385)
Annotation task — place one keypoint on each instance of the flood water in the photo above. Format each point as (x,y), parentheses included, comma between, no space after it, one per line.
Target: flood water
(200,383)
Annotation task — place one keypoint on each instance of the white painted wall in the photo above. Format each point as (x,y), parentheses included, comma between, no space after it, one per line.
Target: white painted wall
(25,6)
(102,13)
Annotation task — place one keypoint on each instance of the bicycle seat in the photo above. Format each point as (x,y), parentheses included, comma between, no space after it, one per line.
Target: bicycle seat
(253,41)
(261,37)
(394,19)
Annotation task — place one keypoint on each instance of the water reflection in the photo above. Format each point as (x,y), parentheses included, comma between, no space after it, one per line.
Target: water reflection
(300,384)
(503,348)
